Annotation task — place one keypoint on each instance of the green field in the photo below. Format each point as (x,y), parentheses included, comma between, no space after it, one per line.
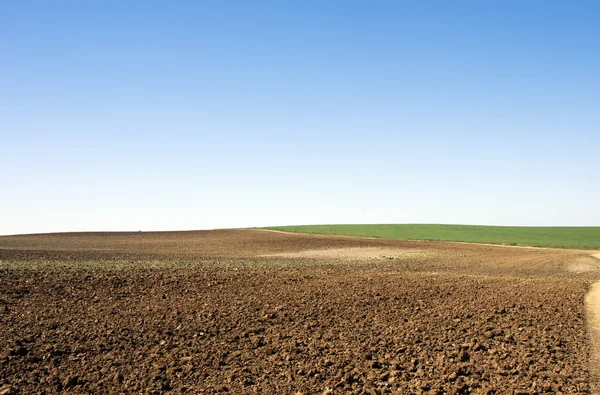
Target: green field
(558,237)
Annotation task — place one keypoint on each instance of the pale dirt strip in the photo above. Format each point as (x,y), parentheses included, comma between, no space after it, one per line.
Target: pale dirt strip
(592,304)
(357,253)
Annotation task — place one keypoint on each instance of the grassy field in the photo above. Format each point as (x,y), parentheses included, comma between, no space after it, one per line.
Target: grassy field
(557,237)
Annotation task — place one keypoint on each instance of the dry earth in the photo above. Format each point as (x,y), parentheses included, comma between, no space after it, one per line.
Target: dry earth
(592,302)
(244,311)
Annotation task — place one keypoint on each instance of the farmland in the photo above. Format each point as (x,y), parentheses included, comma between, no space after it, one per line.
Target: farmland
(251,311)
(553,237)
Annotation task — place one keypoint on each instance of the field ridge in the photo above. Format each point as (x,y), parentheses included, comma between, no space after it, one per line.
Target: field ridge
(528,236)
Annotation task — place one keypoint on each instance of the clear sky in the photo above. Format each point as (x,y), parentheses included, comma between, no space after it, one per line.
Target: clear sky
(165,115)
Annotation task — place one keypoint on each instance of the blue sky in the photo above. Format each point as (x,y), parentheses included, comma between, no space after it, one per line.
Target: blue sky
(153,115)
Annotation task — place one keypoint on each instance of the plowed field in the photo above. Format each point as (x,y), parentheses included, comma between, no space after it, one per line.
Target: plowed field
(245,311)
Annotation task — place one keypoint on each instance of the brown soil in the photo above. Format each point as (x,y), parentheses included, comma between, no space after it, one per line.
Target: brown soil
(262,312)
(592,302)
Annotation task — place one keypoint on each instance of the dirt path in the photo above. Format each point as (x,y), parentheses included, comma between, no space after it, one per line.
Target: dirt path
(592,305)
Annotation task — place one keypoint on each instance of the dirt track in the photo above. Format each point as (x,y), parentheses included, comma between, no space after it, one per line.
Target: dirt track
(258,312)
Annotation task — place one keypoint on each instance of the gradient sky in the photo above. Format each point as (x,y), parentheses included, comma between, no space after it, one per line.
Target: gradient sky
(159,115)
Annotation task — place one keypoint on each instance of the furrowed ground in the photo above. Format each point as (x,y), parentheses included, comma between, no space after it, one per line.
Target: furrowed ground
(248,311)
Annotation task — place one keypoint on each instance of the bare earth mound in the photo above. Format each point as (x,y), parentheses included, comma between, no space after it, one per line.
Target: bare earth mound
(260,312)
